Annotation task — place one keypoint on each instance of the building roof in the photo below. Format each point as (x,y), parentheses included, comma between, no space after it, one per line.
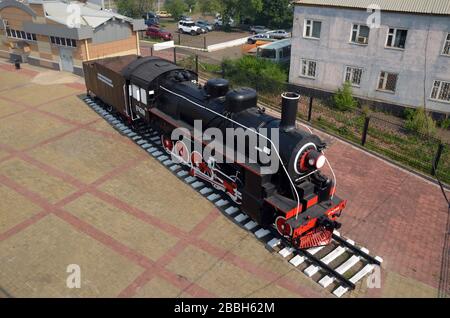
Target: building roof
(438,7)
(277,44)
(91,15)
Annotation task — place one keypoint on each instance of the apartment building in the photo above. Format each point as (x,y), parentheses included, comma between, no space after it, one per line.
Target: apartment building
(400,59)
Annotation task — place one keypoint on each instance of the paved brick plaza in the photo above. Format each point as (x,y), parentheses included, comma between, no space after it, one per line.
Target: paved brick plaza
(74,191)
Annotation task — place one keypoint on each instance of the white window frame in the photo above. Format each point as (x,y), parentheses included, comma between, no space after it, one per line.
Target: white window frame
(308,66)
(352,68)
(136,94)
(438,92)
(394,36)
(305,25)
(358,30)
(446,44)
(385,82)
(143,96)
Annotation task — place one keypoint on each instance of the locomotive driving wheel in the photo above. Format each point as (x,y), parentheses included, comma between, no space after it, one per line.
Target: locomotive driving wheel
(282,226)
(181,150)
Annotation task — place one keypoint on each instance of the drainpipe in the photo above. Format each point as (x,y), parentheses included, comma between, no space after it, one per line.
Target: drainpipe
(87,50)
(137,43)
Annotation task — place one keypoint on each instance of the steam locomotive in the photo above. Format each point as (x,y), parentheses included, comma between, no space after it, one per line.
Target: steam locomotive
(296,198)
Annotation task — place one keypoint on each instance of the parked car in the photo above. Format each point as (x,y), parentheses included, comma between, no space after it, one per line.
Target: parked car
(158,33)
(186,18)
(150,18)
(279,34)
(219,23)
(163,14)
(257,29)
(204,25)
(189,27)
(261,36)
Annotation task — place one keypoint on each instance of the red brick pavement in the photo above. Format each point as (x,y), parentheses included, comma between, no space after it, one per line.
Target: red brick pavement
(396,214)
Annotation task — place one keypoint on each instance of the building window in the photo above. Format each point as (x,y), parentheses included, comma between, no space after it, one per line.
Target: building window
(446,50)
(360,34)
(396,38)
(17,34)
(441,91)
(312,29)
(387,81)
(308,68)
(143,96)
(353,75)
(63,41)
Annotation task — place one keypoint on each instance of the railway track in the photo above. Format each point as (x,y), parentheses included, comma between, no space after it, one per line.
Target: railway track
(337,267)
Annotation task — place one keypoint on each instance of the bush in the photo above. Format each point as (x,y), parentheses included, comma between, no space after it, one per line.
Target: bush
(419,121)
(445,123)
(343,98)
(265,76)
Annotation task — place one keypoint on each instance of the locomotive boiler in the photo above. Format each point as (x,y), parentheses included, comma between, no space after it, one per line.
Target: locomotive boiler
(295,197)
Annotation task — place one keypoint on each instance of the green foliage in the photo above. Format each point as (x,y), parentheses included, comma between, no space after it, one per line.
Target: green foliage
(264,75)
(445,123)
(176,8)
(190,4)
(276,14)
(419,121)
(134,8)
(209,6)
(343,98)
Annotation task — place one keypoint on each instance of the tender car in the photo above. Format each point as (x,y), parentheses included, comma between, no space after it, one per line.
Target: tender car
(257,37)
(279,34)
(158,33)
(189,27)
(204,25)
(257,29)
(163,14)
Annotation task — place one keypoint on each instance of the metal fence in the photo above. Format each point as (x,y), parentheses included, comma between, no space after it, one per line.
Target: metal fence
(371,129)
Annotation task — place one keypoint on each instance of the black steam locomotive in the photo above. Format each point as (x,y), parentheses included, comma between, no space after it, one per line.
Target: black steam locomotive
(296,198)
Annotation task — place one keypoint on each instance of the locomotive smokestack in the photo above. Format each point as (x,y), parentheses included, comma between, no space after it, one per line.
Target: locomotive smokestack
(289,106)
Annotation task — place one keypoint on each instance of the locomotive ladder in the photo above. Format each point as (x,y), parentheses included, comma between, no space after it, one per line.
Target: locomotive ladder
(336,267)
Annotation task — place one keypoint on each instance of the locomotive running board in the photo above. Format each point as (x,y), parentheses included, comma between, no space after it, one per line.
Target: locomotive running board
(344,248)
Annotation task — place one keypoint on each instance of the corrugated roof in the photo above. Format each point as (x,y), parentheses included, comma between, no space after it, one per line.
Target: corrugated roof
(441,7)
(277,44)
(91,15)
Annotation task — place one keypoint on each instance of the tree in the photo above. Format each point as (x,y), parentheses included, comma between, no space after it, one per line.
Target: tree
(176,8)
(190,4)
(238,9)
(208,6)
(276,13)
(134,8)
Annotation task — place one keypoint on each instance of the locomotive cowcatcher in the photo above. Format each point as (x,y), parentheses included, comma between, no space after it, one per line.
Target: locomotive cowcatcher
(297,199)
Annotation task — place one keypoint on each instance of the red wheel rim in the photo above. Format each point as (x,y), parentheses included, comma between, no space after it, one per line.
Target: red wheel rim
(167,143)
(282,226)
(182,151)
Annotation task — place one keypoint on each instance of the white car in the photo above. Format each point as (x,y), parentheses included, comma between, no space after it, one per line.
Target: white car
(189,27)
(218,21)
(279,34)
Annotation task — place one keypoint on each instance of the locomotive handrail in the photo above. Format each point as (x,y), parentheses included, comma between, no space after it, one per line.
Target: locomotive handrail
(261,135)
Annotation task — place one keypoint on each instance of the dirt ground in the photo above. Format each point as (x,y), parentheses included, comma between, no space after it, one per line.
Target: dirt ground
(74,191)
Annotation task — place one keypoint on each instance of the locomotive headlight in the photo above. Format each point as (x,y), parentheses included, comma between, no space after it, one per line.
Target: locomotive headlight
(316,159)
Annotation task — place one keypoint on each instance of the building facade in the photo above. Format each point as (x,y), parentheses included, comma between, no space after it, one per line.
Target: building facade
(62,34)
(405,60)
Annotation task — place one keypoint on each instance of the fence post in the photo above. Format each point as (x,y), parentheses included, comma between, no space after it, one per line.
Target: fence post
(196,65)
(151,51)
(311,98)
(204,42)
(179,39)
(222,70)
(365,130)
(175,55)
(436,159)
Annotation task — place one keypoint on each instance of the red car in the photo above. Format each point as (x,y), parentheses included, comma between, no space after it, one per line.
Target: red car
(158,33)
